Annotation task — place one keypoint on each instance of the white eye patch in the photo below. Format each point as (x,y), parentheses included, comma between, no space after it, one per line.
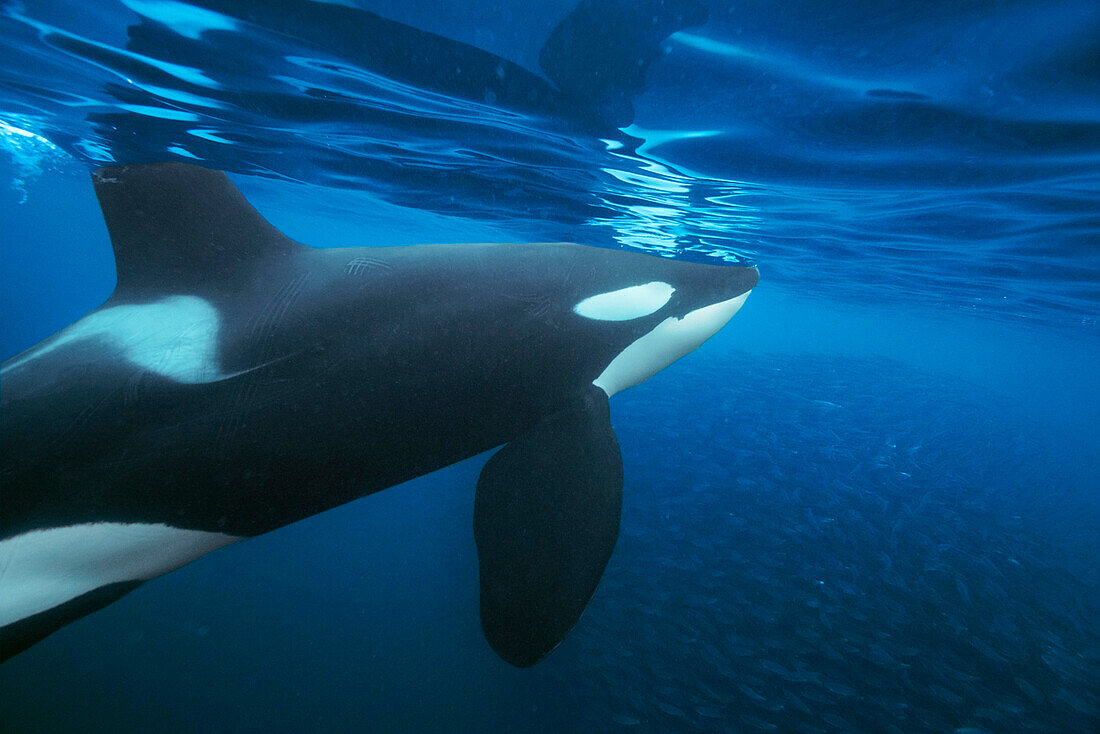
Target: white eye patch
(626,303)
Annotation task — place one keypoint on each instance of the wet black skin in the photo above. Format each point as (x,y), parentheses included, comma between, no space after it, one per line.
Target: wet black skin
(340,372)
(359,367)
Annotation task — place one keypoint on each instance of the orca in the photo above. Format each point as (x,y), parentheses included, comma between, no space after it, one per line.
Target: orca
(236,381)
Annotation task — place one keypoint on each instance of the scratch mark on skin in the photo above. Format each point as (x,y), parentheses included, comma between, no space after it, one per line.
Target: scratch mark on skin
(538,305)
(361,265)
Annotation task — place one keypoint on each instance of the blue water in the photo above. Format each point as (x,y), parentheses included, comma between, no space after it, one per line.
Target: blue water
(869,504)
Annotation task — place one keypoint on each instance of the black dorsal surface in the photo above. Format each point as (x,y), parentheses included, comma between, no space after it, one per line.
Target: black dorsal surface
(237,382)
(175,227)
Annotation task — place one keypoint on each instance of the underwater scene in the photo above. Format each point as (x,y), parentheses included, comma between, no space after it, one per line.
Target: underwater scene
(870,502)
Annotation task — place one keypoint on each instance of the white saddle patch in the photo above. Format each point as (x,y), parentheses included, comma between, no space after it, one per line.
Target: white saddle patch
(669,340)
(176,337)
(41,569)
(626,303)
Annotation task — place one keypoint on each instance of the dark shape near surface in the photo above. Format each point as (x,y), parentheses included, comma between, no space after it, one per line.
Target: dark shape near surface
(237,381)
(593,65)
(620,39)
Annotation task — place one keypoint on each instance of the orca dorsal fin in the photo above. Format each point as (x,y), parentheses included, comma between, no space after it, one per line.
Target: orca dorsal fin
(177,226)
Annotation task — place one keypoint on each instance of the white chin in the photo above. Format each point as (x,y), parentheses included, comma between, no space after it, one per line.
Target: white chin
(670,340)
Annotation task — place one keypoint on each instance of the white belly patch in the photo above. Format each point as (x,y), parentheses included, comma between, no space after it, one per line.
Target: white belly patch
(41,569)
(670,340)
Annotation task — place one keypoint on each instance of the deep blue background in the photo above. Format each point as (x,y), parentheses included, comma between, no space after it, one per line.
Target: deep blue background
(869,502)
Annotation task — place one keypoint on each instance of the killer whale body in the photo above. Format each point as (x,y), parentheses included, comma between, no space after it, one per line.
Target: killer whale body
(237,381)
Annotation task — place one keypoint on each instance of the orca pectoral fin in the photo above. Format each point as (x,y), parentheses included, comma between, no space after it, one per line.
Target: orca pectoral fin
(546,518)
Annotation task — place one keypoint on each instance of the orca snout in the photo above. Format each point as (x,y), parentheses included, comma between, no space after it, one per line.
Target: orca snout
(743,278)
(708,285)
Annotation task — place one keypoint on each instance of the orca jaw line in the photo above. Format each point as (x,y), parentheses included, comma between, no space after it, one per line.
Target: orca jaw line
(669,340)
